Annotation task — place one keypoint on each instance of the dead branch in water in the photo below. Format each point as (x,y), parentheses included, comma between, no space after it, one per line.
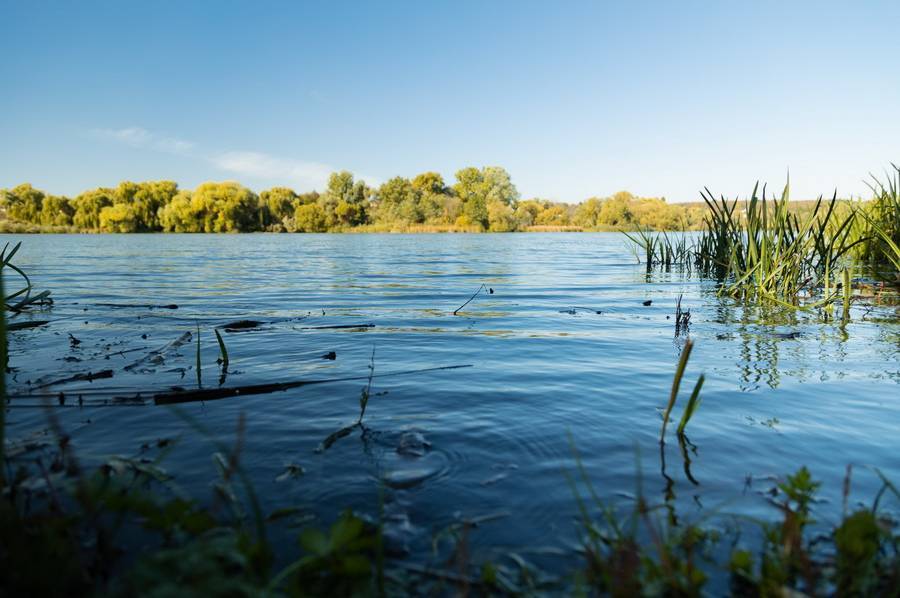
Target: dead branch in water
(213,394)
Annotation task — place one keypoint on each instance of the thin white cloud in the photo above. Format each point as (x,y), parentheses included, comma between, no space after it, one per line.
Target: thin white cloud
(257,165)
(263,166)
(142,138)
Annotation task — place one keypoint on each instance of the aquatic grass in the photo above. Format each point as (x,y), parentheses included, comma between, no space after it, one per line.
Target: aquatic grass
(682,317)
(881,230)
(890,251)
(659,250)
(199,375)
(847,291)
(693,402)
(774,254)
(24,296)
(366,392)
(691,407)
(223,351)
(764,249)
(364,396)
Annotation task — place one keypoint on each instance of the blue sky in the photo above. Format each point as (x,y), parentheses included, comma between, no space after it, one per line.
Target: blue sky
(573,99)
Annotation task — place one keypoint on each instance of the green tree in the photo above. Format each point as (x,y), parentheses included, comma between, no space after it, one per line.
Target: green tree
(352,197)
(398,201)
(477,188)
(275,205)
(308,218)
(226,207)
(527,211)
(145,200)
(469,188)
(118,218)
(88,206)
(501,217)
(177,216)
(616,211)
(57,211)
(23,202)
(587,213)
(553,214)
(498,186)
(430,182)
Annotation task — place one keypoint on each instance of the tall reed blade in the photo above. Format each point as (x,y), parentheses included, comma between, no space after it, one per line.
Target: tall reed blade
(847,290)
(692,405)
(199,378)
(223,351)
(676,382)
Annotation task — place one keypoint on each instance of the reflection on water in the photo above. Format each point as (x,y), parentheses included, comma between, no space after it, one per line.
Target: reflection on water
(782,388)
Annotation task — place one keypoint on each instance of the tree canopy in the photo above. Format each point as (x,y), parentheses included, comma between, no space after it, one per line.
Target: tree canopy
(479,199)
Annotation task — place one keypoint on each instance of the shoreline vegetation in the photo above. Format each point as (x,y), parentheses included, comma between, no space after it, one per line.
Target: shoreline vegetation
(480,200)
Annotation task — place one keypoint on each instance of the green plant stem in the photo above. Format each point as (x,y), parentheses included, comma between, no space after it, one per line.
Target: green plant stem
(199,379)
(846,315)
(222,350)
(676,382)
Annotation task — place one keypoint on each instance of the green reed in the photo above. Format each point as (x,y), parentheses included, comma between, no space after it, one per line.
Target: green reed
(765,249)
(199,375)
(768,252)
(694,400)
(24,296)
(223,350)
(880,225)
(658,250)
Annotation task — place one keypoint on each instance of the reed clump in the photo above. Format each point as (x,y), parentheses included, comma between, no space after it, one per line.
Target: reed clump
(879,226)
(765,249)
(768,252)
(21,299)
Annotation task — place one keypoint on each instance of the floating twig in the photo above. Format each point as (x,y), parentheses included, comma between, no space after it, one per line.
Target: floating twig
(137,305)
(89,376)
(481,288)
(25,325)
(181,340)
(336,326)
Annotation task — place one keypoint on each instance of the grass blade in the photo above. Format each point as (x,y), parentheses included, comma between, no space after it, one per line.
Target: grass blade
(676,382)
(223,352)
(692,405)
(199,378)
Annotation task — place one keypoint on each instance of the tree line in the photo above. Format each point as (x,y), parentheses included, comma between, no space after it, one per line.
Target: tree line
(480,199)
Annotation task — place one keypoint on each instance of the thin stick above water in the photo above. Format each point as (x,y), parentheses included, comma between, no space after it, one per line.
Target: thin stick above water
(481,288)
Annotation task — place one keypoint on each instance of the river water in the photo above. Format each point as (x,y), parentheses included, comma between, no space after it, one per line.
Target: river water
(564,356)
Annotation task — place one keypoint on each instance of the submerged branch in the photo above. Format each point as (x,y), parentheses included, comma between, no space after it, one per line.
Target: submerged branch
(213,394)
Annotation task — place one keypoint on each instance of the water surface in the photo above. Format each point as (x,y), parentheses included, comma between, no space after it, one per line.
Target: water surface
(548,374)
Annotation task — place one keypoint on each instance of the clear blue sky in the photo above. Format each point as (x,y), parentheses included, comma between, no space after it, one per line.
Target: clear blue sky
(573,99)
